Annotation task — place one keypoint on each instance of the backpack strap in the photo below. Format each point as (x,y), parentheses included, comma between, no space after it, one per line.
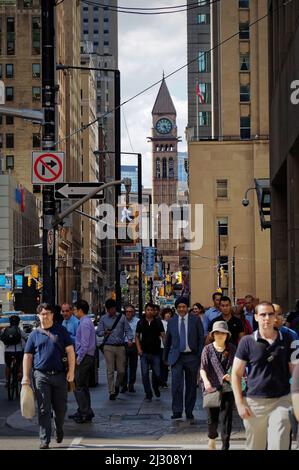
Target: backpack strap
(112,327)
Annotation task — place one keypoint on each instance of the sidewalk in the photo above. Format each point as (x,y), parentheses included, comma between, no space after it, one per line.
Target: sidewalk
(130,422)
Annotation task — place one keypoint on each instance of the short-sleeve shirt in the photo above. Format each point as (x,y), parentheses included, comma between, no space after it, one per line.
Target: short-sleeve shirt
(150,335)
(47,354)
(268,375)
(235,327)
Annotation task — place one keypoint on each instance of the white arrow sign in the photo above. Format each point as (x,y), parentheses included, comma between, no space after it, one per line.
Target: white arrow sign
(77,190)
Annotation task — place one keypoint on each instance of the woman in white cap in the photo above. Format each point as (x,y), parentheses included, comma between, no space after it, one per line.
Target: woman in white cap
(216,362)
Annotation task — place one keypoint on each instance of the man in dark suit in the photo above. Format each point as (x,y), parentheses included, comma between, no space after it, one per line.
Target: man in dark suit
(182,351)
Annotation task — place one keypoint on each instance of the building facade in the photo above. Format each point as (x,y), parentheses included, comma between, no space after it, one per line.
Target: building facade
(284,150)
(228,146)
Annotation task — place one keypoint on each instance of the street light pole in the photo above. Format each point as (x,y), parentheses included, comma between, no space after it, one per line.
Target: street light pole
(234,275)
(48,142)
(117,152)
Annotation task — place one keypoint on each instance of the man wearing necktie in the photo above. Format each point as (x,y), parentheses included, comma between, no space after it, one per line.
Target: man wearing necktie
(183,346)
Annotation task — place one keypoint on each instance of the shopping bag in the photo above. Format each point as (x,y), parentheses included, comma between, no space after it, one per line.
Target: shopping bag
(27,402)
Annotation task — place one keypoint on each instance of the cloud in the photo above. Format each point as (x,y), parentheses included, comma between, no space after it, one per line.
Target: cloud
(149,45)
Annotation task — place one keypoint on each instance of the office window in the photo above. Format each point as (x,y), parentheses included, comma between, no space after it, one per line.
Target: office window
(9,70)
(106,20)
(1,71)
(243,3)
(95,31)
(158,168)
(9,141)
(10,161)
(36,35)
(85,8)
(245,127)
(9,93)
(205,90)
(1,119)
(106,31)
(106,43)
(244,30)
(10,40)
(9,120)
(36,70)
(95,43)
(36,93)
(204,118)
(96,20)
(171,168)
(244,62)
(244,93)
(85,31)
(36,140)
(221,189)
(204,63)
(203,18)
(95,8)
(222,226)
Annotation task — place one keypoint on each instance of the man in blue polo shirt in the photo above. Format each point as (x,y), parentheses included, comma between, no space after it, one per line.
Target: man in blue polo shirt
(265,411)
(45,349)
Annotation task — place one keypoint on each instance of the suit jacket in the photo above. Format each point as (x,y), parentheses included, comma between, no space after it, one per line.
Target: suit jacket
(172,342)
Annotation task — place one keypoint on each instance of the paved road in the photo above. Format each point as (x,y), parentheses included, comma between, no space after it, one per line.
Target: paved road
(126,423)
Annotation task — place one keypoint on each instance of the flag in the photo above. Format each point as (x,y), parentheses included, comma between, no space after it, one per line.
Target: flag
(199,94)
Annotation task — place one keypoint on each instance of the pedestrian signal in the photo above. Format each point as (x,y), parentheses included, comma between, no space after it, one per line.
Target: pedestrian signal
(29,280)
(34,271)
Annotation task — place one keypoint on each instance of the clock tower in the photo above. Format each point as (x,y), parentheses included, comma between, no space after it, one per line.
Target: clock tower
(165,171)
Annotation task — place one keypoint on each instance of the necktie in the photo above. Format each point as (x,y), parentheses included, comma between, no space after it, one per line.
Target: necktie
(182,335)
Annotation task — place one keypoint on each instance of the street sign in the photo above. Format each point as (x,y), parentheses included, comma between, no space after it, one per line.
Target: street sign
(50,242)
(47,167)
(123,279)
(77,190)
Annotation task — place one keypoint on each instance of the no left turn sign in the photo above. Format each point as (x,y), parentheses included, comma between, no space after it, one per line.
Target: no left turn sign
(47,167)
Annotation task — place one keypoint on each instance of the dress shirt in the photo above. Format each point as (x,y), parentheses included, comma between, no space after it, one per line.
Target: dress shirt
(186,329)
(133,325)
(209,316)
(85,339)
(71,325)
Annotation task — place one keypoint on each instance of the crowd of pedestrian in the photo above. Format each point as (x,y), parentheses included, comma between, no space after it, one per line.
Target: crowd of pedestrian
(241,357)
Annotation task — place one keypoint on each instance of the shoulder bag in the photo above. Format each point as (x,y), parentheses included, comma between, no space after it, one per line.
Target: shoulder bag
(101,347)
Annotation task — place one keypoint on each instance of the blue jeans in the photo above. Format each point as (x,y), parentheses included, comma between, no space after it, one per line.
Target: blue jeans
(146,361)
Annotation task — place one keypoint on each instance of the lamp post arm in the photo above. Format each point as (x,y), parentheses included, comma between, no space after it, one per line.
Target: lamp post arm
(86,198)
(247,190)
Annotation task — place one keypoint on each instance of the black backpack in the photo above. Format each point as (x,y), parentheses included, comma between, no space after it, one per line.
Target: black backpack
(11,336)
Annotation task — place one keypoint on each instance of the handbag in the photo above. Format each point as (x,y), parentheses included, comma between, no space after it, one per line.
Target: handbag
(101,347)
(27,402)
(212,399)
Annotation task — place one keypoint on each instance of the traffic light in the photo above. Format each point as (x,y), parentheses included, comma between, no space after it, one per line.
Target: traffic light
(222,273)
(39,285)
(29,280)
(180,277)
(34,271)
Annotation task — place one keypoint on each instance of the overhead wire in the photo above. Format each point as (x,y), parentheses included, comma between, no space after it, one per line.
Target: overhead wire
(85,126)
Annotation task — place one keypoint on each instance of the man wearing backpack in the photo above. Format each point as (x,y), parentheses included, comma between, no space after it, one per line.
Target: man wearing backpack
(14,339)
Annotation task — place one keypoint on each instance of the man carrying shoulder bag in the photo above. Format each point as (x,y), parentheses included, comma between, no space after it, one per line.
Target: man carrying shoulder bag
(114,327)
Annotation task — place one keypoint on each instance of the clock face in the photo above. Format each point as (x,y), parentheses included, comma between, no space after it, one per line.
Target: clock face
(164,126)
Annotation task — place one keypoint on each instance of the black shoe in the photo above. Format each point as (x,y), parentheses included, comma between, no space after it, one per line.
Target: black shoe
(189,416)
(75,415)
(44,445)
(157,392)
(124,389)
(116,391)
(83,420)
(59,437)
(148,398)
(112,396)
(132,389)
(176,416)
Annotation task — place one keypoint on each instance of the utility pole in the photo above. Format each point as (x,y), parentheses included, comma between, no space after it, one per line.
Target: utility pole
(234,275)
(117,176)
(219,255)
(48,143)
(140,288)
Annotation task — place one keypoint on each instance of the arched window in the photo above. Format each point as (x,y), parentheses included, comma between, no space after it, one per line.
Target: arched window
(158,168)
(164,168)
(170,168)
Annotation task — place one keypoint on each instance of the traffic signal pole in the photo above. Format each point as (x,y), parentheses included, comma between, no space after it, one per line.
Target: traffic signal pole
(48,144)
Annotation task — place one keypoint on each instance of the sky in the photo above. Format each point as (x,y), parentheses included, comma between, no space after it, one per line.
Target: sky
(149,45)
